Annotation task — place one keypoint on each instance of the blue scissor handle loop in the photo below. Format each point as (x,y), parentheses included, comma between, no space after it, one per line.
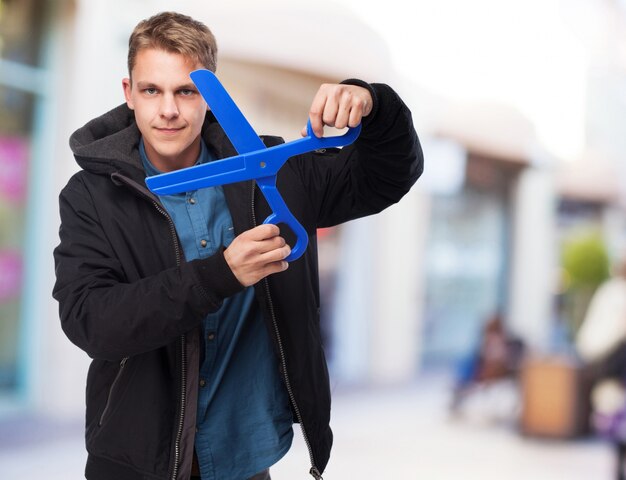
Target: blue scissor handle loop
(282,214)
(335,141)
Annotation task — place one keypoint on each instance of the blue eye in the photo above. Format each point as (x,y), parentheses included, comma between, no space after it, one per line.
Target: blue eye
(150,91)
(186,92)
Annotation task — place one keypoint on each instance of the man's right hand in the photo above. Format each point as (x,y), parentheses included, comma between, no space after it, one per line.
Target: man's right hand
(257,253)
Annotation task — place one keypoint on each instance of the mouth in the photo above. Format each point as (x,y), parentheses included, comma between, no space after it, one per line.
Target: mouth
(168,130)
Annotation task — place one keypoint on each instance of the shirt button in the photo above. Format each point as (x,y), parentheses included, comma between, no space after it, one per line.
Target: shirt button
(202,382)
(203,243)
(211,336)
(192,201)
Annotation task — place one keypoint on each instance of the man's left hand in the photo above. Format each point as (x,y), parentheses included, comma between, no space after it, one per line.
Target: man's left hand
(339,106)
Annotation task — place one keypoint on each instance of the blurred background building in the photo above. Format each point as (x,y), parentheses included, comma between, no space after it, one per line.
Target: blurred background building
(519,106)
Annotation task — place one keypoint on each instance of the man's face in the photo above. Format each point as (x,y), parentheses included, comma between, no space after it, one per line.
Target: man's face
(169,110)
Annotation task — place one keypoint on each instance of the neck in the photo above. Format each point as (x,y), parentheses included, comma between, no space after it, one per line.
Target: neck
(169,163)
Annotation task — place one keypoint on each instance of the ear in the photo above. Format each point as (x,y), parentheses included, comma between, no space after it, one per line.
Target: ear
(128,87)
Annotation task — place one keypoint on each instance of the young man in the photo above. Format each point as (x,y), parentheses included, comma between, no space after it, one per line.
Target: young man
(205,342)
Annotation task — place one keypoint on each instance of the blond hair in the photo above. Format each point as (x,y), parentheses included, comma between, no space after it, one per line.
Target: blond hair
(174,33)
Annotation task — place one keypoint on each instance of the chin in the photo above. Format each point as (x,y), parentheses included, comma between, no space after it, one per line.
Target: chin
(169,151)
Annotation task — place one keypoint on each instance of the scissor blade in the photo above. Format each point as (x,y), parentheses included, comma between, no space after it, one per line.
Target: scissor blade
(219,172)
(239,131)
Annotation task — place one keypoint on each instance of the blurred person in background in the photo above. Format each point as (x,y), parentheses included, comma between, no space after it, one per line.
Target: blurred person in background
(205,342)
(601,344)
(497,356)
(601,339)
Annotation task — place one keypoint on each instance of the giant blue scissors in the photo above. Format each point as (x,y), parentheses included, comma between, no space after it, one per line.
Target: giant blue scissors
(255,160)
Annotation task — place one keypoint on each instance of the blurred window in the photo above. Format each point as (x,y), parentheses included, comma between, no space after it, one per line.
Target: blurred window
(20,40)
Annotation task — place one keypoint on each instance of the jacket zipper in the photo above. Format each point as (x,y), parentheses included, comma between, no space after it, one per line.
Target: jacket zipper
(183,400)
(314,472)
(107,405)
(183,389)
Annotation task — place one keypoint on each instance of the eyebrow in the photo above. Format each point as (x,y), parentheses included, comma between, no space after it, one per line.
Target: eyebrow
(142,85)
(187,86)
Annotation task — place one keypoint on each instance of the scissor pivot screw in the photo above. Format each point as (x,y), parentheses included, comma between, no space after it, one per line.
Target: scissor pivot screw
(263,164)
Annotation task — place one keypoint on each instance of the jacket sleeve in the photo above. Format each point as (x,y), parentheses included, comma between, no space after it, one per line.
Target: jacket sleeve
(376,171)
(107,315)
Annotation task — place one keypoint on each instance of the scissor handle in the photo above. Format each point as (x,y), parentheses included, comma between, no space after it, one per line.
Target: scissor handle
(334,141)
(282,214)
(302,237)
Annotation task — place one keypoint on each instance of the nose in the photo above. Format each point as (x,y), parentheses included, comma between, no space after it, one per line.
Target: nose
(169,108)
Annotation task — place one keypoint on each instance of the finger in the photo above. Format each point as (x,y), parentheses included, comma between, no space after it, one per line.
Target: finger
(275,255)
(356,115)
(263,232)
(331,110)
(343,116)
(346,102)
(316,112)
(275,267)
(270,245)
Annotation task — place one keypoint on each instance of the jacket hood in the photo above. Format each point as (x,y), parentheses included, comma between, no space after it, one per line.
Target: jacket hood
(108,143)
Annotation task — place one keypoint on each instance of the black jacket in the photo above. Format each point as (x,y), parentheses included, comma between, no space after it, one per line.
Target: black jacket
(129,299)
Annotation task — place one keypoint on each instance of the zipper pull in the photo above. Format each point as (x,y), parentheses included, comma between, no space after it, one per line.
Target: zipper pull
(315,473)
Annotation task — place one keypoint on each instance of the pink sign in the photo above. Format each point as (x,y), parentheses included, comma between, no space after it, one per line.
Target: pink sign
(13,168)
(10,274)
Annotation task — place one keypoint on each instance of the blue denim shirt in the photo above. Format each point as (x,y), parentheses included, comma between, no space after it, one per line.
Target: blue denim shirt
(244,421)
